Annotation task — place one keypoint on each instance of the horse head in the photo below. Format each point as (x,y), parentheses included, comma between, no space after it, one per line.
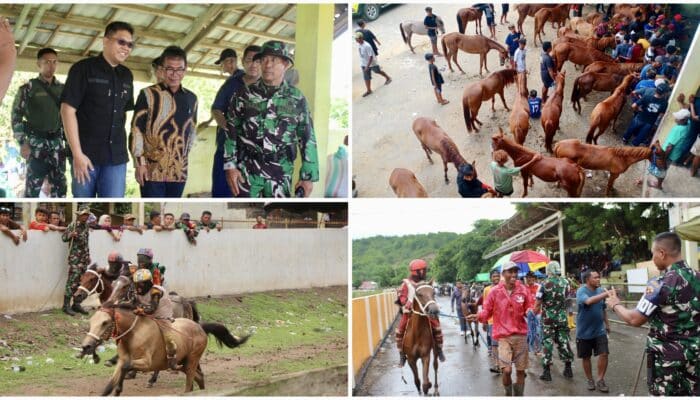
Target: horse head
(120,289)
(497,139)
(90,282)
(425,297)
(101,328)
(441,25)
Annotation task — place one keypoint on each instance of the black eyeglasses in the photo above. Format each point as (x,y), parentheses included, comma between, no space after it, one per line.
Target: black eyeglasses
(124,43)
(178,71)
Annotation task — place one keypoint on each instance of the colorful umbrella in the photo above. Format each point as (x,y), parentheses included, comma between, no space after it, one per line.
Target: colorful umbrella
(527,260)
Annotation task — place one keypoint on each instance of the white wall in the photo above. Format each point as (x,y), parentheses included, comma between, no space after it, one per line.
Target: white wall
(33,274)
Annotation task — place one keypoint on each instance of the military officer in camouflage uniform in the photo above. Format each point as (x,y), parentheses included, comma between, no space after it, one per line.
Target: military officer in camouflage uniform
(551,299)
(268,121)
(671,305)
(76,234)
(36,122)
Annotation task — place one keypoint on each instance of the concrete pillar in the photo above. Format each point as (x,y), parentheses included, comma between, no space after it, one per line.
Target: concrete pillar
(312,58)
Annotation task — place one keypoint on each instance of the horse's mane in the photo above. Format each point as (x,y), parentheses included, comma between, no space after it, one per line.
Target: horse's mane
(495,43)
(451,152)
(513,144)
(631,152)
(507,75)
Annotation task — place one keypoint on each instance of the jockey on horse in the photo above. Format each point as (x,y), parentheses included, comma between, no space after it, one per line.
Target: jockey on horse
(144,259)
(418,269)
(151,300)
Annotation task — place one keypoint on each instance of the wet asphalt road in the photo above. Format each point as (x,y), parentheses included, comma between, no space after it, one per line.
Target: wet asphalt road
(466,373)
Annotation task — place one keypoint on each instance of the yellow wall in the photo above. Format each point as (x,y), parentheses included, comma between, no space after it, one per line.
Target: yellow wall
(372,317)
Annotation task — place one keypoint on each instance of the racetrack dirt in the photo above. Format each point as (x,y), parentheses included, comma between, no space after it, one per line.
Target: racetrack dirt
(382,135)
(290,342)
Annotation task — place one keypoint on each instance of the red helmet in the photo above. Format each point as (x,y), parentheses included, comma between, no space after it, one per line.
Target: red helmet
(417,265)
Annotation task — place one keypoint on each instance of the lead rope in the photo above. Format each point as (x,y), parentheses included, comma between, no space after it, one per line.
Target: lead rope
(128,330)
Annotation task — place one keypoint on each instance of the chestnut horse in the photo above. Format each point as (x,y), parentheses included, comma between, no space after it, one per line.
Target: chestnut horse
(614,67)
(528,10)
(615,160)
(608,110)
(464,15)
(93,280)
(433,138)
(558,14)
(594,18)
(408,28)
(475,44)
(477,92)
(551,112)
(590,81)
(579,26)
(470,296)
(580,55)
(405,184)
(418,342)
(519,120)
(141,346)
(602,44)
(550,169)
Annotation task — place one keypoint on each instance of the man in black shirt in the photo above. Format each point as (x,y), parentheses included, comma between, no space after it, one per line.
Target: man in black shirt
(369,36)
(97,95)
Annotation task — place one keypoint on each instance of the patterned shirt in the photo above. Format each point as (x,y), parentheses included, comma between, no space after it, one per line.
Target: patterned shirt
(265,127)
(552,293)
(163,131)
(34,110)
(79,250)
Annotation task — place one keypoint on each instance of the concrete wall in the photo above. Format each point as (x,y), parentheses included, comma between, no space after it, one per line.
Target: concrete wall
(372,317)
(33,274)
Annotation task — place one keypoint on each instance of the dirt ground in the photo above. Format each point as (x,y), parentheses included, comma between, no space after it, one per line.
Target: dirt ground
(228,371)
(382,135)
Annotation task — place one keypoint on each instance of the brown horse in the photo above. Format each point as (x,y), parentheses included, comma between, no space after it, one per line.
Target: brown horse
(590,81)
(608,110)
(519,120)
(614,67)
(628,10)
(464,15)
(418,342)
(580,26)
(594,18)
(602,44)
(454,41)
(551,112)
(580,55)
(558,14)
(141,346)
(550,169)
(93,280)
(470,296)
(528,10)
(405,184)
(615,160)
(433,138)
(477,92)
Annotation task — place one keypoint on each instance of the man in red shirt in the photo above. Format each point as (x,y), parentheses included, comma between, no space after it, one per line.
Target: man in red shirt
(418,269)
(507,303)
(260,223)
(40,223)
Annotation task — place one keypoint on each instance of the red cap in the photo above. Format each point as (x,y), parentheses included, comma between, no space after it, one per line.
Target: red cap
(417,265)
(677,17)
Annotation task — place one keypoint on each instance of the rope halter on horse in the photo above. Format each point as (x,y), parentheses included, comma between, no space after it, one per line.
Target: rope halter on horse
(423,307)
(99,284)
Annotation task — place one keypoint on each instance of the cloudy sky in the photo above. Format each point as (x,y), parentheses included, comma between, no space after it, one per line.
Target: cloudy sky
(397,217)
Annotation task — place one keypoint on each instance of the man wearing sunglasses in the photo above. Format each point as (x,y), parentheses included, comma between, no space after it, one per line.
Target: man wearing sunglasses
(98,93)
(268,121)
(163,129)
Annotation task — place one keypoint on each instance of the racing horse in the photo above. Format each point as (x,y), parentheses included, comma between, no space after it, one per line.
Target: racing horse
(569,175)
(94,280)
(141,346)
(433,138)
(464,15)
(418,342)
(477,92)
(474,44)
(615,160)
(470,296)
(408,28)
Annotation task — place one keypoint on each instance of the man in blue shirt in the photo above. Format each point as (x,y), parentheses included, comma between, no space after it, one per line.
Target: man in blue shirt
(431,25)
(650,108)
(647,80)
(512,43)
(535,104)
(592,327)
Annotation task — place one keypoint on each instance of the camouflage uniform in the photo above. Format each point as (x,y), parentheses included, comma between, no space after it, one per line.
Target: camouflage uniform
(36,122)
(672,305)
(555,329)
(266,124)
(78,254)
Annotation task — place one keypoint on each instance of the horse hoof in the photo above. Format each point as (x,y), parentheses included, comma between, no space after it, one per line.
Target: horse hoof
(149,385)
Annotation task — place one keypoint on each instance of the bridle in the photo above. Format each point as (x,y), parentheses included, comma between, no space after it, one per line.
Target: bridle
(112,331)
(100,284)
(422,306)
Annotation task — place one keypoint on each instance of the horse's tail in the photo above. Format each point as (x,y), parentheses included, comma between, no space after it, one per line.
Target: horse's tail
(576,91)
(403,34)
(549,132)
(467,117)
(444,50)
(591,130)
(195,312)
(223,336)
(460,25)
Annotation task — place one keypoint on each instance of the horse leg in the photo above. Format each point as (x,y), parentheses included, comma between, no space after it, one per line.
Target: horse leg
(503,99)
(153,379)
(120,384)
(454,58)
(130,375)
(444,163)
(427,150)
(436,392)
(408,38)
(414,369)
(425,363)
(525,176)
(190,369)
(611,181)
(199,377)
